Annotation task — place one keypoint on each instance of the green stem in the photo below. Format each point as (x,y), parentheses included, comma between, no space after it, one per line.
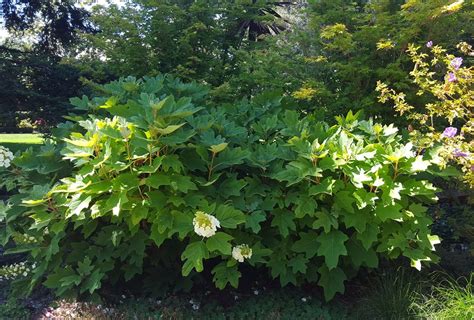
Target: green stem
(211,166)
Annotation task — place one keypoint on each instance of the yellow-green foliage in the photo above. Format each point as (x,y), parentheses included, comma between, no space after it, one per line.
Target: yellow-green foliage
(447,119)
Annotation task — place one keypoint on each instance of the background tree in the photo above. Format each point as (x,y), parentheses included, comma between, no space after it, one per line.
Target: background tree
(55,22)
(34,86)
(195,40)
(35,83)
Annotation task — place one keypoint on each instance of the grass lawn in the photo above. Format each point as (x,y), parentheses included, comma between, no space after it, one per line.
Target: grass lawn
(20,141)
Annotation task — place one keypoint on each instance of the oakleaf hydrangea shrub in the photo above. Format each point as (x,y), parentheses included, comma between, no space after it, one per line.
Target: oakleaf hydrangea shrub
(162,181)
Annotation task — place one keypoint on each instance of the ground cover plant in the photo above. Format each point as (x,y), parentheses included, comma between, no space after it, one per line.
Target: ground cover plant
(448,299)
(159,181)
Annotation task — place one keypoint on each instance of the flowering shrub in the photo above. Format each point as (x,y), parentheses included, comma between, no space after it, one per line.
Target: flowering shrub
(161,183)
(447,120)
(6,156)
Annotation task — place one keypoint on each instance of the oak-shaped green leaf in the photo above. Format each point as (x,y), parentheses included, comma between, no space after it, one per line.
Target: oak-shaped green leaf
(326,220)
(305,206)
(254,219)
(231,186)
(332,281)
(182,223)
(283,220)
(157,237)
(364,198)
(193,257)
(359,255)
(357,220)
(331,247)
(182,183)
(230,157)
(85,268)
(229,217)
(369,236)
(344,200)
(224,274)
(93,282)
(326,186)
(307,244)
(389,212)
(298,264)
(158,179)
(220,242)
(138,213)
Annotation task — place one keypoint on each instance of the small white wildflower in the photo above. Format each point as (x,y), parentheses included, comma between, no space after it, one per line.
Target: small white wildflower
(255,292)
(195,307)
(25,274)
(241,252)
(304,299)
(205,225)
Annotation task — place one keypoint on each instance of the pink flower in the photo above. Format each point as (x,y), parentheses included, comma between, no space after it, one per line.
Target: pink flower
(459,153)
(452,77)
(429,44)
(456,63)
(449,132)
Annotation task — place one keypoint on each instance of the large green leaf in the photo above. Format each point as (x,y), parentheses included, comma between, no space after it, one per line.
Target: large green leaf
(305,206)
(307,244)
(220,242)
(254,220)
(224,275)
(332,246)
(332,281)
(193,257)
(283,220)
(324,219)
(229,217)
(389,212)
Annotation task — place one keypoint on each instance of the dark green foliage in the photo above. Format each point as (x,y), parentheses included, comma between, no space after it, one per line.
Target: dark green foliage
(34,86)
(269,304)
(13,309)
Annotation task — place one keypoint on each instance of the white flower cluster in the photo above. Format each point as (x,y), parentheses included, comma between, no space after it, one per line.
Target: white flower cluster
(205,225)
(15,270)
(241,252)
(24,239)
(6,156)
